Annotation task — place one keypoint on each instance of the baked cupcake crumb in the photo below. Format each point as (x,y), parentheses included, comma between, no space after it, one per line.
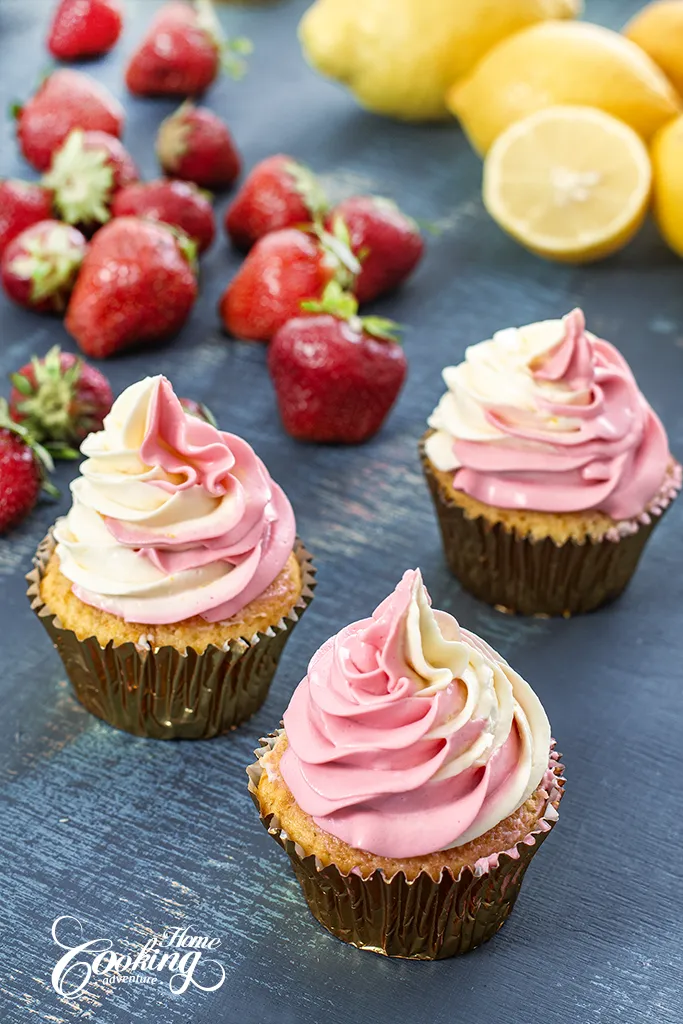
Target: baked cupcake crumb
(85,621)
(275,798)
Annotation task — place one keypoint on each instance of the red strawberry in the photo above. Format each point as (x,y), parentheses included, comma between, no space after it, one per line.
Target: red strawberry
(86,172)
(22,203)
(386,241)
(282,270)
(336,375)
(137,285)
(278,193)
(198,409)
(66,100)
(182,52)
(24,465)
(59,398)
(40,266)
(179,203)
(194,144)
(84,28)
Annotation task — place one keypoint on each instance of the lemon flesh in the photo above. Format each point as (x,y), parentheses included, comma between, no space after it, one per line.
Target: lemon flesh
(569,183)
(658,29)
(400,56)
(562,62)
(667,166)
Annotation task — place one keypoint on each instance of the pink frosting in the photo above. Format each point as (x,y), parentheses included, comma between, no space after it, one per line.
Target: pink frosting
(615,459)
(359,758)
(251,528)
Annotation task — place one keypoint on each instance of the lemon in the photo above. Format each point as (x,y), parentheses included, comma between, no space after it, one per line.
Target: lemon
(569,183)
(667,166)
(562,62)
(400,56)
(658,29)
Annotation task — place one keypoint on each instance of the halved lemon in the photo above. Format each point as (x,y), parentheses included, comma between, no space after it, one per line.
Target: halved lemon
(569,183)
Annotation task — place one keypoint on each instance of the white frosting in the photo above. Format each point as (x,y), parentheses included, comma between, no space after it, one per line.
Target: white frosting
(440,652)
(160,545)
(497,373)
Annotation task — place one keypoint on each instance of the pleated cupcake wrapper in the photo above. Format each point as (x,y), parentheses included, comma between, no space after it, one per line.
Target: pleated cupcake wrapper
(516,573)
(420,919)
(162,693)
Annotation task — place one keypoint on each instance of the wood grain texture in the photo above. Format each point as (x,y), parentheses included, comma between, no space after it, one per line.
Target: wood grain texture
(132,836)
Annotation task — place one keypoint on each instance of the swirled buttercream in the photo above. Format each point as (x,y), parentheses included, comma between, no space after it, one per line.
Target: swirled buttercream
(171,517)
(549,418)
(410,735)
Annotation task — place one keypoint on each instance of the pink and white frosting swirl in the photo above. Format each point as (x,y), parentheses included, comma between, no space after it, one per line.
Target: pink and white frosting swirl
(171,517)
(549,418)
(410,735)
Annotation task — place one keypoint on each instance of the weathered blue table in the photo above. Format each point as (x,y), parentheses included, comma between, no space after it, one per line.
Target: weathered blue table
(135,837)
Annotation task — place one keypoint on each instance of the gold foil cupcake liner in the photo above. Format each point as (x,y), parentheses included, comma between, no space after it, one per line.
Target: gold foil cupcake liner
(420,918)
(162,693)
(516,573)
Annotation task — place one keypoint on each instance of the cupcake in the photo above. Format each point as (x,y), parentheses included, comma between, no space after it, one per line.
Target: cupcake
(548,469)
(173,583)
(413,781)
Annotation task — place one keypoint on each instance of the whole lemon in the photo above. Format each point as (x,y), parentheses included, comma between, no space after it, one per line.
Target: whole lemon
(658,29)
(562,62)
(667,166)
(400,56)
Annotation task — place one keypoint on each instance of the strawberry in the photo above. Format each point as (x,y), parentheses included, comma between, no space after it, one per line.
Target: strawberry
(24,465)
(84,28)
(182,52)
(194,144)
(386,241)
(137,285)
(40,266)
(59,398)
(66,100)
(198,409)
(22,203)
(278,193)
(179,203)
(336,375)
(86,172)
(283,269)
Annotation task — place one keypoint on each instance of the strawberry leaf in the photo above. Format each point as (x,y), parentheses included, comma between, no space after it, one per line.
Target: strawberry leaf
(20,382)
(42,457)
(309,188)
(232,51)
(335,301)
(82,180)
(339,255)
(380,327)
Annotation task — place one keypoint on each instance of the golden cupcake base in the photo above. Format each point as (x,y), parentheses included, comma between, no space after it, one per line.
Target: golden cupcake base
(419,918)
(540,563)
(163,692)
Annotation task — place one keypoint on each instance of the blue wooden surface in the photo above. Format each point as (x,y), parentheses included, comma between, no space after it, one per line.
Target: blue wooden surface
(134,836)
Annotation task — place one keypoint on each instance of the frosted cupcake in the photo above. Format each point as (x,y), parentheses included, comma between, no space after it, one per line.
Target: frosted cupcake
(548,469)
(173,583)
(413,781)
